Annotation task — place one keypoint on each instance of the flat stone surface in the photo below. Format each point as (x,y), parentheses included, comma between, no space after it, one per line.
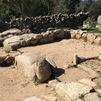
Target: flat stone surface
(92,97)
(12,43)
(24,63)
(71,91)
(31,65)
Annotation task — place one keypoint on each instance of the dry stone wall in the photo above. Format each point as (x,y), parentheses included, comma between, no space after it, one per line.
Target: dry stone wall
(41,23)
(15,42)
(92,38)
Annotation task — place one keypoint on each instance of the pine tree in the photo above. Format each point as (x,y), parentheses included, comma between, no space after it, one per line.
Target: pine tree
(66,6)
(95,9)
(87,4)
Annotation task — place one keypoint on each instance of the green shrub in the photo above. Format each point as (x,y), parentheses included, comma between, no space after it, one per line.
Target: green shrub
(92,30)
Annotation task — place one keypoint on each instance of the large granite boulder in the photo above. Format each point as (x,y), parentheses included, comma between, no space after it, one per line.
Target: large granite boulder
(59,33)
(72,91)
(12,43)
(30,39)
(42,69)
(32,65)
(24,63)
(47,37)
(35,38)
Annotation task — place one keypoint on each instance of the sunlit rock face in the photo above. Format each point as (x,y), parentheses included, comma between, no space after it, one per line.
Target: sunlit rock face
(99,23)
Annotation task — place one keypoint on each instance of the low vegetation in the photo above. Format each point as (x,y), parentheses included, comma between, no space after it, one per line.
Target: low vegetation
(91,30)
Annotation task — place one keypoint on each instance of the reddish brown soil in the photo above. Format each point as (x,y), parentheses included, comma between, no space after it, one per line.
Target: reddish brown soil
(15,87)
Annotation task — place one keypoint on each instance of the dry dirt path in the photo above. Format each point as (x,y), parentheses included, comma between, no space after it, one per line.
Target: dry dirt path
(63,52)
